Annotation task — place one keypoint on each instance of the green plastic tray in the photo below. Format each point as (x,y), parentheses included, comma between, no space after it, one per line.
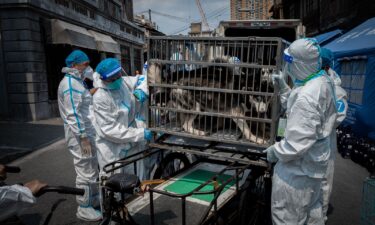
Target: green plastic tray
(192,180)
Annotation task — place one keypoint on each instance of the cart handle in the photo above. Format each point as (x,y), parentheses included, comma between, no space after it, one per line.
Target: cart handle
(12,169)
(61,190)
(110,167)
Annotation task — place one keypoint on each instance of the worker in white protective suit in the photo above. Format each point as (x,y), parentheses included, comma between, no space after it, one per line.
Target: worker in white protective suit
(74,102)
(138,83)
(177,56)
(14,199)
(342,107)
(141,108)
(302,156)
(114,114)
(237,69)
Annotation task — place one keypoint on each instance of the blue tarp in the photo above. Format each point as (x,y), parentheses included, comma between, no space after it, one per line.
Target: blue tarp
(359,40)
(355,62)
(329,36)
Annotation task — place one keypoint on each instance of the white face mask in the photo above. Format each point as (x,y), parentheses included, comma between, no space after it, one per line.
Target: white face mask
(302,59)
(88,73)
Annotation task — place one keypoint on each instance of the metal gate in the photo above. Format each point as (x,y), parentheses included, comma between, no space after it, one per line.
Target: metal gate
(215,89)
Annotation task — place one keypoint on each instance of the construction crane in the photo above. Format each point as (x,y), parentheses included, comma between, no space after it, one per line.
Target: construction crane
(203,15)
(184,20)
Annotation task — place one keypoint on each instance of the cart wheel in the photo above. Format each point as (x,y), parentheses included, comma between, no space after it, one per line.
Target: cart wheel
(254,205)
(171,165)
(220,221)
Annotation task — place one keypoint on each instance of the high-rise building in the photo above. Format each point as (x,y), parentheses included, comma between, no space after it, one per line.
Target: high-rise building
(250,9)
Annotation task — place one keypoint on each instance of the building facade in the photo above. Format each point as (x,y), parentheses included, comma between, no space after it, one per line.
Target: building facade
(250,9)
(320,16)
(36,37)
(150,28)
(196,31)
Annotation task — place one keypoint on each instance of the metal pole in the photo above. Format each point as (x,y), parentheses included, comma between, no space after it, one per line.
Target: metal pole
(183,211)
(152,208)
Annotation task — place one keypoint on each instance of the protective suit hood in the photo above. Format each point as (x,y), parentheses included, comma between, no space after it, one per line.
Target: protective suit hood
(72,71)
(302,59)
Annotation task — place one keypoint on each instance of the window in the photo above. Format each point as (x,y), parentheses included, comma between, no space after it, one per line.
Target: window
(129,9)
(64,3)
(309,6)
(77,7)
(353,75)
(291,12)
(138,60)
(112,9)
(80,9)
(125,59)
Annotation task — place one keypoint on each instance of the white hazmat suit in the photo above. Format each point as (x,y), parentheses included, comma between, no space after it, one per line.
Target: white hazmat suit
(14,199)
(74,102)
(139,82)
(342,107)
(304,152)
(115,121)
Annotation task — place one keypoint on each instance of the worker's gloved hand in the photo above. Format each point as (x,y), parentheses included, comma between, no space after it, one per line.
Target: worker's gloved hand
(85,146)
(148,135)
(88,84)
(140,95)
(3,173)
(93,90)
(278,80)
(271,156)
(35,186)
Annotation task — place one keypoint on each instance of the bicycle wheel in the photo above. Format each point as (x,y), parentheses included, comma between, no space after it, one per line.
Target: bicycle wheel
(255,200)
(171,165)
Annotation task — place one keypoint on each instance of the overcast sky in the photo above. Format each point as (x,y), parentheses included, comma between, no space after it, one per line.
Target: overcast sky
(215,10)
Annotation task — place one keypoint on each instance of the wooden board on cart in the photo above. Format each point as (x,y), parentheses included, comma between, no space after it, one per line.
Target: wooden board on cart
(168,210)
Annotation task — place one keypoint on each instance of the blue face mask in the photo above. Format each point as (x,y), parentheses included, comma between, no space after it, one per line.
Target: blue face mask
(115,85)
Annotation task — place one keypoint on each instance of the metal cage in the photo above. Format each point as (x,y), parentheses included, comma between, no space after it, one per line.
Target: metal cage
(215,89)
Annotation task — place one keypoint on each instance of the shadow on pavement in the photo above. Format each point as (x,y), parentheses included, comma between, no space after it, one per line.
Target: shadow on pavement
(19,139)
(53,208)
(32,219)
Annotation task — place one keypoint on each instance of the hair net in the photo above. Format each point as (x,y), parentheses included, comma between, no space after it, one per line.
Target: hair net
(327,57)
(302,59)
(108,68)
(76,57)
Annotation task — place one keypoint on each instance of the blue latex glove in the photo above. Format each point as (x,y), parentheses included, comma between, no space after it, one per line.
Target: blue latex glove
(271,156)
(279,81)
(148,135)
(140,95)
